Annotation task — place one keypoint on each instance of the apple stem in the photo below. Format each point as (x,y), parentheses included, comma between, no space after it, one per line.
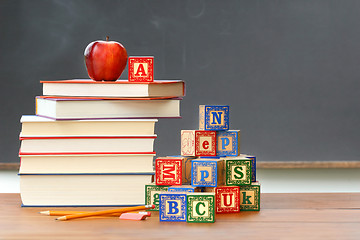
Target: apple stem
(107,38)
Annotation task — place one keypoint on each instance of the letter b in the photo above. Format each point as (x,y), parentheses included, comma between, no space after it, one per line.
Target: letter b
(173,207)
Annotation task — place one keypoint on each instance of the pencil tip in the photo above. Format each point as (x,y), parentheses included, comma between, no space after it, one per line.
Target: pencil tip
(61,218)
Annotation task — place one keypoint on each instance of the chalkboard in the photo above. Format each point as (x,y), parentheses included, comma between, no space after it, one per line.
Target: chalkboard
(289,70)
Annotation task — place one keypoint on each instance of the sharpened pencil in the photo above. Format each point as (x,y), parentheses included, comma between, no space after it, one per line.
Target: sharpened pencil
(63,213)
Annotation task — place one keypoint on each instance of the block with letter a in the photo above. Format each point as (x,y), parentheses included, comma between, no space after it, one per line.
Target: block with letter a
(172,207)
(173,170)
(141,69)
(213,117)
(198,143)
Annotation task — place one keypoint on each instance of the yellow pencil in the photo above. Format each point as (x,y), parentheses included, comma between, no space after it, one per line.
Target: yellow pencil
(63,213)
(105,212)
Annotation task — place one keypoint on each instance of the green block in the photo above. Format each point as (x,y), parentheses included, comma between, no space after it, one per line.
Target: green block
(152,192)
(201,207)
(250,197)
(238,171)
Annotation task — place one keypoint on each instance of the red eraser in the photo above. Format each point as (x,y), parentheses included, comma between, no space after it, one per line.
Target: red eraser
(133,216)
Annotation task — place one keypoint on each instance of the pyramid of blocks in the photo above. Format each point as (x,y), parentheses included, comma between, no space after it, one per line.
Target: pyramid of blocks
(209,177)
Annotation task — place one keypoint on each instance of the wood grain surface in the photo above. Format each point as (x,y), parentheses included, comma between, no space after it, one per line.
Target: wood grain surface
(282,216)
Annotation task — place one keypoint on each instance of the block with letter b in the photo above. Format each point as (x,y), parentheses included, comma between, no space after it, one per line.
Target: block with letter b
(250,197)
(238,171)
(212,117)
(152,192)
(198,143)
(172,207)
(227,199)
(201,207)
(141,69)
(173,170)
(207,172)
(228,143)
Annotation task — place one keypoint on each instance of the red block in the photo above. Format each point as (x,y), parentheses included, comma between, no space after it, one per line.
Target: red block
(141,69)
(198,143)
(172,171)
(227,199)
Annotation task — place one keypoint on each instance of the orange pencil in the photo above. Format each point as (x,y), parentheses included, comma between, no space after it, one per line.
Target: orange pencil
(63,213)
(105,212)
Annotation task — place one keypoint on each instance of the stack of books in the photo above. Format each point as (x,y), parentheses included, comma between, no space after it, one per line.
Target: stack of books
(92,143)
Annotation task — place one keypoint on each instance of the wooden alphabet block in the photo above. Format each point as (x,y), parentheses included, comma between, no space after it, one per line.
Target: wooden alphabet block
(207,172)
(253,165)
(141,69)
(214,118)
(200,207)
(238,171)
(172,207)
(152,192)
(228,143)
(183,188)
(173,170)
(250,197)
(198,143)
(227,199)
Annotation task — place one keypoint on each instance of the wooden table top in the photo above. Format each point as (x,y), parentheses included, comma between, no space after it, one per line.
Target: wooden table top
(282,216)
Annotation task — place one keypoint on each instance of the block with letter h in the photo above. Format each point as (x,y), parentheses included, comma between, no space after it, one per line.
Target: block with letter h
(174,170)
(207,172)
(228,143)
(201,207)
(250,197)
(198,143)
(172,207)
(213,118)
(141,69)
(152,192)
(238,171)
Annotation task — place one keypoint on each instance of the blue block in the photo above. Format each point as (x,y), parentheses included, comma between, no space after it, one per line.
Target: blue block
(172,207)
(182,188)
(228,143)
(213,118)
(253,165)
(207,172)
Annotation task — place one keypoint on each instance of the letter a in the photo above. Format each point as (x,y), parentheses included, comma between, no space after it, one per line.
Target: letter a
(140,71)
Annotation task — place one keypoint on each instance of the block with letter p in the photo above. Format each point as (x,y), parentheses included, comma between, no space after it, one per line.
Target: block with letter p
(173,170)
(207,172)
(201,207)
(212,117)
(141,69)
(198,143)
(238,171)
(228,143)
(250,197)
(172,207)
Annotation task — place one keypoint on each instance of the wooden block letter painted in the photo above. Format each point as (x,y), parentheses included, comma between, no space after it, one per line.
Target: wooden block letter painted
(198,143)
(228,143)
(201,207)
(227,199)
(183,188)
(214,118)
(207,172)
(141,69)
(172,207)
(253,165)
(172,170)
(250,197)
(152,192)
(237,171)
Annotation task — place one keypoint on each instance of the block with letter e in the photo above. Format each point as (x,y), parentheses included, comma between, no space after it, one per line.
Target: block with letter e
(238,171)
(227,199)
(250,197)
(228,143)
(198,143)
(213,117)
(141,69)
(201,207)
(207,172)
(152,192)
(174,170)
(172,207)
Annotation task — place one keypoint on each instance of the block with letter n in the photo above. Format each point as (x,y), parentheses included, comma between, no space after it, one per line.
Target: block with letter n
(172,207)
(198,143)
(201,207)
(152,193)
(238,171)
(213,118)
(250,197)
(227,199)
(141,69)
(228,143)
(207,172)
(174,170)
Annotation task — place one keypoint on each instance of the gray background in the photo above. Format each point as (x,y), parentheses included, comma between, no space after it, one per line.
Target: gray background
(288,69)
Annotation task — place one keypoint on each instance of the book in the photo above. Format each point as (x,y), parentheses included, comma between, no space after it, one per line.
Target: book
(119,88)
(96,108)
(86,163)
(121,144)
(83,189)
(40,126)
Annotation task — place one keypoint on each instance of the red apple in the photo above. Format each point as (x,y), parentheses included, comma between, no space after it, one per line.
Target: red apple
(105,60)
